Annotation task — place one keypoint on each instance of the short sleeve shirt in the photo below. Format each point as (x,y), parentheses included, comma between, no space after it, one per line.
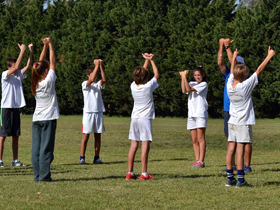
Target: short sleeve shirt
(93,101)
(241,107)
(46,100)
(197,103)
(143,99)
(12,91)
(226,98)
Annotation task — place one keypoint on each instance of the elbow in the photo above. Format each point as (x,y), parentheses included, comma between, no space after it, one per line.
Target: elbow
(104,81)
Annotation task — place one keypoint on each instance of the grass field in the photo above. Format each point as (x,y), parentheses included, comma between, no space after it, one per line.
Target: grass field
(175,186)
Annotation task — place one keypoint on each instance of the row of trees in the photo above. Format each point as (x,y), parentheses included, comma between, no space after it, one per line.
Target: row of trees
(182,34)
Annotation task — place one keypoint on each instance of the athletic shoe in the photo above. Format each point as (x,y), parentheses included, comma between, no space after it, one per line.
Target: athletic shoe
(129,176)
(194,165)
(247,169)
(244,184)
(82,161)
(148,177)
(197,164)
(18,164)
(97,161)
(2,165)
(230,182)
(53,181)
(225,170)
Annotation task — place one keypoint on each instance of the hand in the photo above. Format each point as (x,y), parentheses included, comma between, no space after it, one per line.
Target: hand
(221,41)
(235,53)
(227,42)
(271,52)
(30,46)
(184,73)
(151,56)
(96,62)
(100,62)
(146,56)
(45,41)
(22,47)
(49,40)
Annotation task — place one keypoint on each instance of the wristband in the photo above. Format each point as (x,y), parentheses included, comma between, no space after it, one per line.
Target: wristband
(226,47)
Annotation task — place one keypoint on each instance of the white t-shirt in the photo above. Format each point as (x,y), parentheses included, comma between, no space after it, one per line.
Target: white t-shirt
(12,91)
(46,100)
(143,99)
(197,103)
(241,104)
(93,101)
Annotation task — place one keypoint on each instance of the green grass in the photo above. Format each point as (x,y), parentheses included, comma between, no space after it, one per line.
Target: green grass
(176,186)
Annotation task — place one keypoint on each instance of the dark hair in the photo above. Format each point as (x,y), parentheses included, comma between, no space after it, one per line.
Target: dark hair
(240,72)
(202,72)
(11,61)
(140,75)
(38,70)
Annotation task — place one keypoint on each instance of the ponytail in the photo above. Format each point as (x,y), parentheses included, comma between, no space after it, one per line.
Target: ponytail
(38,70)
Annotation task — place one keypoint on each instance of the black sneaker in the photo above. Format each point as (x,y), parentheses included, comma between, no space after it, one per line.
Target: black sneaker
(18,164)
(2,165)
(230,182)
(243,184)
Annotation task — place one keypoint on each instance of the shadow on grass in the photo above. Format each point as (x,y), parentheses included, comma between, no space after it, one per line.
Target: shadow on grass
(91,179)
(273,170)
(271,183)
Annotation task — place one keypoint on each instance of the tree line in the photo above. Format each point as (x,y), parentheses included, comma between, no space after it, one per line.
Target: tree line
(182,34)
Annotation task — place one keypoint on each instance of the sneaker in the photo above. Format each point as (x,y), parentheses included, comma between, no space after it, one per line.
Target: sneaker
(97,161)
(230,182)
(129,176)
(18,164)
(82,161)
(2,165)
(53,181)
(148,177)
(197,164)
(247,169)
(225,170)
(244,184)
(194,165)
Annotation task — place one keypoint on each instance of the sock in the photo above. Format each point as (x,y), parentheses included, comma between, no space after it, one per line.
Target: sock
(145,174)
(1,161)
(15,161)
(96,157)
(240,175)
(230,174)
(82,157)
(131,173)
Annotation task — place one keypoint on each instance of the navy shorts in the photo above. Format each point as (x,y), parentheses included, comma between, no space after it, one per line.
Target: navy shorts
(226,119)
(10,122)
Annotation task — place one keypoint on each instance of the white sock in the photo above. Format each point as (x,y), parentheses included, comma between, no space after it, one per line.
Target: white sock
(16,160)
(131,173)
(145,174)
(1,161)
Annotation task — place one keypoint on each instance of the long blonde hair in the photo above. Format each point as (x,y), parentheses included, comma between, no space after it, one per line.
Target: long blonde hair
(38,70)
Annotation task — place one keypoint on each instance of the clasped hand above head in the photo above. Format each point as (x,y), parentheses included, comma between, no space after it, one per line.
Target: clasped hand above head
(148,56)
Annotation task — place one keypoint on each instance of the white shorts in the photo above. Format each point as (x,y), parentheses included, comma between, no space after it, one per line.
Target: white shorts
(196,122)
(141,130)
(93,122)
(240,133)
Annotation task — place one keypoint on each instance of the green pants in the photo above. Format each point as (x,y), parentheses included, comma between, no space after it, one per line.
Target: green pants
(43,138)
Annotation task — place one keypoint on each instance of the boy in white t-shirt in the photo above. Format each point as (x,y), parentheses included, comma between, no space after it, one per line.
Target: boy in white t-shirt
(12,100)
(242,115)
(142,114)
(93,120)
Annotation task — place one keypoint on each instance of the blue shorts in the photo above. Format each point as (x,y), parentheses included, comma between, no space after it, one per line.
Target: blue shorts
(226,119)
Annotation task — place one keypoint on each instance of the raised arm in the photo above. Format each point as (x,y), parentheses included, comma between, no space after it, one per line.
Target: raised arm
(93,74)
(233,61)
(147,60)
(261,67)
(29,61)
(44,51)
(184,83)
(155,70)
(220,57)
(19,59)
(52,55)
(227,44)
(103,76)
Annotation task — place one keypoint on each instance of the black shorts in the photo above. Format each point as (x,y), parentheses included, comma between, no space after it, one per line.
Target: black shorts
(10,122)
(226,119)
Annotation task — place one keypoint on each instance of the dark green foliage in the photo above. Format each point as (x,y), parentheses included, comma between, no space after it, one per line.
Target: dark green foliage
(182,34)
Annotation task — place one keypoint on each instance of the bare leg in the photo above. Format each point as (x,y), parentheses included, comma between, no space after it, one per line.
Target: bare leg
(201,143)
(230,153)
(240,156)
(2,139)
(131,154)
(248,154)
(15,147)
(97,143)
(195,143)
(233,155)
(144,155)
(84,144)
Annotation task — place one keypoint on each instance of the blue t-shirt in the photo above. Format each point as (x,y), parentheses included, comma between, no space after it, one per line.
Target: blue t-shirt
(226,98)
